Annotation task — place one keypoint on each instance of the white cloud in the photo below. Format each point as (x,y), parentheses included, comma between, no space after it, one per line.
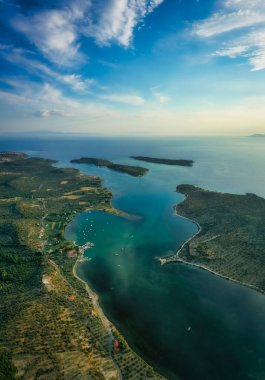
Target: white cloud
(118,19)
(46,101)
(54,32)
(40,100)
(231,51)
(12,98)
(225,22)
(77,82)
(247,18)
(159,95)
(57,32)
(251,47)
(24,59)
(52,112)
(134,100)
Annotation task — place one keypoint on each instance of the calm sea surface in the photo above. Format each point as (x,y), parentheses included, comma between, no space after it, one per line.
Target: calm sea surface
(184,321)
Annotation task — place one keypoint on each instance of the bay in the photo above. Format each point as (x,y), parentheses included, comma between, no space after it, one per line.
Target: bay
(184,321)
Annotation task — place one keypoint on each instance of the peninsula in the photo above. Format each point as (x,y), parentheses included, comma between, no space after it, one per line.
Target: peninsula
(135,171)
(51,326)
(11,156)
(230,240)
(164,161)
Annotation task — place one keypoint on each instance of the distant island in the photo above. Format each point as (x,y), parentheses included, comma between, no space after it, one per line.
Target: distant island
(230,240)
(11,156)
(258,135)
(51,325)
(163,161)
(135,171)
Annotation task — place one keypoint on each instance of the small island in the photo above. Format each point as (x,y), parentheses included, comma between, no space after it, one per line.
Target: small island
(230,239)
(258,135)
(135,171)
(164,161)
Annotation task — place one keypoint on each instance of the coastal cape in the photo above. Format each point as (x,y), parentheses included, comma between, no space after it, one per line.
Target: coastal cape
(51,326)
(230,240)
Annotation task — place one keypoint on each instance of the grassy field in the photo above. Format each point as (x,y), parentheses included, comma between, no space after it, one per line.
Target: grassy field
(49,327)
(231,242)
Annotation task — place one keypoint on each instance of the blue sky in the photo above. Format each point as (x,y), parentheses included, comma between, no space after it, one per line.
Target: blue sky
(140,67)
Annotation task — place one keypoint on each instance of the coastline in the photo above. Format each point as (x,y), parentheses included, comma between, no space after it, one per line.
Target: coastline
(175,258)
(112,331)
(105,321)
(110,327)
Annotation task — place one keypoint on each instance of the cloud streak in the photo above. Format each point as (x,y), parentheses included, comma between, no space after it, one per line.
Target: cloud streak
(118,19)
(129,99)
(41,100)
(27,60)
(241,26)
(55,32)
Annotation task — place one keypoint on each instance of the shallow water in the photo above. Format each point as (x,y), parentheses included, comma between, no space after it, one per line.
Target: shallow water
(185,321)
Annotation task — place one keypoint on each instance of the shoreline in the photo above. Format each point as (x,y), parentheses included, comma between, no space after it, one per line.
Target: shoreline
(175,258)
(105,321)
(110,327)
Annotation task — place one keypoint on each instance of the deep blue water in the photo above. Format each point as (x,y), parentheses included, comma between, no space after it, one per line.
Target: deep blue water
(185,321)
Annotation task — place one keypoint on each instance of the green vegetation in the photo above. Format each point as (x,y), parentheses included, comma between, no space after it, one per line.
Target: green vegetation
(49,327)
(7,368)
(136,171)
(231,241)
(164,161)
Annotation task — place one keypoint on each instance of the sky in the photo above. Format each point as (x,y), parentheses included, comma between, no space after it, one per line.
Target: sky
(133,67)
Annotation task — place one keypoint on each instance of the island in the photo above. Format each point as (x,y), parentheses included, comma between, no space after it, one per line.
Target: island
(164,161)
(258,135)
(135,171)
(51,325)
(230,239)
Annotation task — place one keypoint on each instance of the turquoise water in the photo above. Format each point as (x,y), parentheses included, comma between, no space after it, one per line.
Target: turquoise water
(185,321)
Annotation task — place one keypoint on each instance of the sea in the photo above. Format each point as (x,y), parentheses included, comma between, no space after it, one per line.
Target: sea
(186,322)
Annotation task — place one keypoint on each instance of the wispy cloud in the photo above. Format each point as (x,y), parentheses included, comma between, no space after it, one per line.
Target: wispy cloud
(160,96)
(47,101)
(41,100)
(27,60)
(57,32)
(52,112)
(130,99)
(118,19)
(54,32)
(229,19)
(247,18)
